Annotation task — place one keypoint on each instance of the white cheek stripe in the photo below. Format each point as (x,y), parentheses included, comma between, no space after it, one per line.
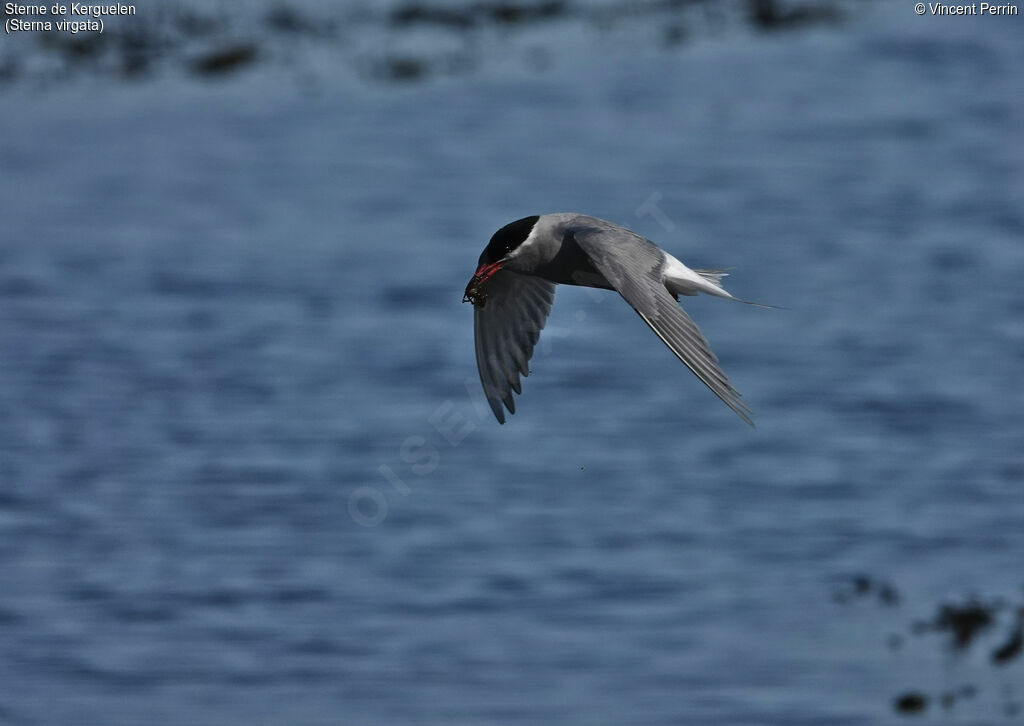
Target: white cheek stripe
(530,239)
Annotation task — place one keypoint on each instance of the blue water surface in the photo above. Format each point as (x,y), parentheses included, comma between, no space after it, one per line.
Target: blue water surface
(245,472)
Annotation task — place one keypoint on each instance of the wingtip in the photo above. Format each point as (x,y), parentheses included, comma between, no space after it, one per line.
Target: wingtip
(742,410)
(766,306)
(497,410)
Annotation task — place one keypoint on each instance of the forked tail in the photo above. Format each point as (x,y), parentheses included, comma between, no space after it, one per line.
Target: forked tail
(714,278)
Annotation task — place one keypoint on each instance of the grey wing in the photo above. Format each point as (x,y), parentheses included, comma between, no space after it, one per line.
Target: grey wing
(506,330)
(633,265)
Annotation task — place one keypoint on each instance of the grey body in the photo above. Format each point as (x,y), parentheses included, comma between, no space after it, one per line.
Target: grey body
(575,249)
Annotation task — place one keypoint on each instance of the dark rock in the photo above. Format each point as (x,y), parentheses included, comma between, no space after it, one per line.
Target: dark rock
(404,69)
(137,53)
(424,15)
(225,60)
(888,595)
(1012,648)
(862,585)
(8,70)
(83,46)
(768,15)
(514,14)
(134,65)
(964,621)
(287,20)
(910,703)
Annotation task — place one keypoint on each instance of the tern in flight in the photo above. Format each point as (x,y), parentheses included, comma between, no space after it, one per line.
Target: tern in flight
(514,286)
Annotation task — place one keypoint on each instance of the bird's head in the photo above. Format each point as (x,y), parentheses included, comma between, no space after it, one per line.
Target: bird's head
(499,251)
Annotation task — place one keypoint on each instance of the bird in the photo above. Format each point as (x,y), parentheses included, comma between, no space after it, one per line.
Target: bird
(513,289)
